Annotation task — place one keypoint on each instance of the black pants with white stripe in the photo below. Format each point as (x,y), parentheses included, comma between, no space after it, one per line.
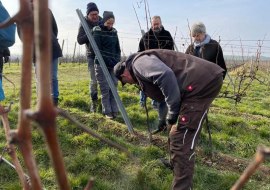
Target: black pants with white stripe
(184,135)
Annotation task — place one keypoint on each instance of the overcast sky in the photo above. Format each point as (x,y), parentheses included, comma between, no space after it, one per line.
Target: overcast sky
(238,23)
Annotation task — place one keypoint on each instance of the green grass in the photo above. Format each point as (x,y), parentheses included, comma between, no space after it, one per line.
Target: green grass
(237,130)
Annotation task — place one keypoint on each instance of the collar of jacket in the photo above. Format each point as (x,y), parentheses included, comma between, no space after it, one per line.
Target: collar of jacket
(205,41)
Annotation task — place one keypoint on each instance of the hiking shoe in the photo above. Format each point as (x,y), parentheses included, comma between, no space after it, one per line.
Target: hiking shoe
(115,114)
(161,127)
(109,116)
(166,163)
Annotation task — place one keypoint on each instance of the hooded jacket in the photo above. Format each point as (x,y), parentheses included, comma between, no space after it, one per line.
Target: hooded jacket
(169,75)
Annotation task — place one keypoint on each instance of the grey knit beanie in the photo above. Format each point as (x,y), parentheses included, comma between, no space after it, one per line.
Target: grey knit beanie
(107,15)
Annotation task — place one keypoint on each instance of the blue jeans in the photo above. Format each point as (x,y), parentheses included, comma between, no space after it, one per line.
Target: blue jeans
(54,77)
(2,94)
(55,89)
(162,106)
(142,98)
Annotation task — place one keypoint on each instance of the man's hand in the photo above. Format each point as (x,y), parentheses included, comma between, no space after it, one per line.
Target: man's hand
(6,59)
(171,119)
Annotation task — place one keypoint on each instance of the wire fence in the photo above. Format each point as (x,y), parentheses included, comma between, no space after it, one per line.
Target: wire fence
(73,52)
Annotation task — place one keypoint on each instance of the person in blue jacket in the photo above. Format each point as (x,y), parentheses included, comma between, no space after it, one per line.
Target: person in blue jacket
(7,39)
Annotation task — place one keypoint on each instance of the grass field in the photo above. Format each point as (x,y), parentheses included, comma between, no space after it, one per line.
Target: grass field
(237,131)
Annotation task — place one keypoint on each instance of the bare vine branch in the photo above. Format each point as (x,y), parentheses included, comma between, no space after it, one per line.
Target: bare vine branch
(261,154)
(11,148)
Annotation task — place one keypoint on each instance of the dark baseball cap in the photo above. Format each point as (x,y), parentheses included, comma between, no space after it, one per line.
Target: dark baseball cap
(119,69)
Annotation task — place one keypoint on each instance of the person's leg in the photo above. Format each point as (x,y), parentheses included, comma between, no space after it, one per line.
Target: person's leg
(183,140)
(2,94)
(162,110)
(155,104)
(93,84)
(142,99)
(185,134)
(55,90)
(104,90)
(36,78)
(162,113)
(114,106)
(1,67)
(182,158)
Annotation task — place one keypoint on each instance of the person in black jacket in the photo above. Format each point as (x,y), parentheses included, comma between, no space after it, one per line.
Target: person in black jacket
(205,47)
(56,53)
(156,38)
(4,58)
(92,19)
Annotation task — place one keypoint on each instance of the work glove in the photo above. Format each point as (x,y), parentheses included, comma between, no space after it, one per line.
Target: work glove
(111,63)
(171,119)
(6,59)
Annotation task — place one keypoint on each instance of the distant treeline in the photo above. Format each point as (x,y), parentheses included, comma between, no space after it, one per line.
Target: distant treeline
(83,59)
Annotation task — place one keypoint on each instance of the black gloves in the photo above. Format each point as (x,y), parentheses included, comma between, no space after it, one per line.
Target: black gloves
(6,59)
(111,62)
(171,119)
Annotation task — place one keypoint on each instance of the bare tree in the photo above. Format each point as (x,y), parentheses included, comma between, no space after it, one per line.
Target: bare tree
(245,71)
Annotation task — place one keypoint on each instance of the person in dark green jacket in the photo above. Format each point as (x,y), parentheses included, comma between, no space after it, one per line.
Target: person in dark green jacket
(106,38)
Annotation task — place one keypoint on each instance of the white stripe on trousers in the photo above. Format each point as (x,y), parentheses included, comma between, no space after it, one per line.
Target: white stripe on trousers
(199,126)
(185,136)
